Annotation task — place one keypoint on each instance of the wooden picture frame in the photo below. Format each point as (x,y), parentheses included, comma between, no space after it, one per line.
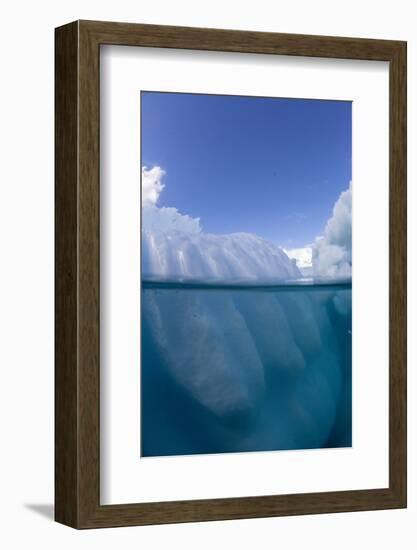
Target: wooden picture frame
(77,374)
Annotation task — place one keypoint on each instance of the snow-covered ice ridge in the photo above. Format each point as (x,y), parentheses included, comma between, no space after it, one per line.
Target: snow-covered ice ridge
(175,247)
(181,255)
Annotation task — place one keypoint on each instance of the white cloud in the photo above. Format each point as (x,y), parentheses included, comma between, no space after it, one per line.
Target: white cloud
(152,185)
(157,219)
(302,256)
(332,253)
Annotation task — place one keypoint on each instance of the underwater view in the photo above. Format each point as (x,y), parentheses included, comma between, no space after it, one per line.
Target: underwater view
(245,368)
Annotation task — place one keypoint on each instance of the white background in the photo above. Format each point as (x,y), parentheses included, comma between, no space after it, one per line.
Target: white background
(26,289)
(126,478)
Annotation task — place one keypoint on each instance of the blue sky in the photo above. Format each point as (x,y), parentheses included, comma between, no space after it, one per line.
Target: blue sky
(273,167)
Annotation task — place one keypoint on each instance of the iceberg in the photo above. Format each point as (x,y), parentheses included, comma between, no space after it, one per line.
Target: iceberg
(174,247)
(244,369)
(330,256)
(245,358)
(332,253)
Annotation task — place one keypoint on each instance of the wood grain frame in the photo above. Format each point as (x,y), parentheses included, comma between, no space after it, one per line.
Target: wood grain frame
(77,360)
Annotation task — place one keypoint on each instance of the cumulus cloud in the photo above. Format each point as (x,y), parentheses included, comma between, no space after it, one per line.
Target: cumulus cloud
(332,252)
(152,185)
(302,256)
(157,219)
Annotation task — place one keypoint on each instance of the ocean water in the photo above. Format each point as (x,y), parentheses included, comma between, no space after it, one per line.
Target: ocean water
(240,368)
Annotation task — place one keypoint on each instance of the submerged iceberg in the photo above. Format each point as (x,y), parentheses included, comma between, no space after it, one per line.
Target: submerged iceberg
(236,368)
(244,369)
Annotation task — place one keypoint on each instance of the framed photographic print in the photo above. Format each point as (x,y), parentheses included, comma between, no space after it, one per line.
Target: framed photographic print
(230,274)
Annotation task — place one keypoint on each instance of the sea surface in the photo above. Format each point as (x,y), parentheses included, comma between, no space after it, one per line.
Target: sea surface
(245,367)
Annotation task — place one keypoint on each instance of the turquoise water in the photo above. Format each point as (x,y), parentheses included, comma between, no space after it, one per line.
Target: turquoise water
(239,368)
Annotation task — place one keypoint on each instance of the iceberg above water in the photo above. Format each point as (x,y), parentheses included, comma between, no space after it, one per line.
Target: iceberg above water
(180,254)
(174,246)
(330,256)
(332,253)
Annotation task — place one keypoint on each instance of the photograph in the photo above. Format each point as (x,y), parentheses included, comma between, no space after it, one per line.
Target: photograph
(246,270)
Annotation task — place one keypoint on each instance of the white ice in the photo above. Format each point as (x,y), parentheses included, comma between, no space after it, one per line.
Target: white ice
(174,246)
